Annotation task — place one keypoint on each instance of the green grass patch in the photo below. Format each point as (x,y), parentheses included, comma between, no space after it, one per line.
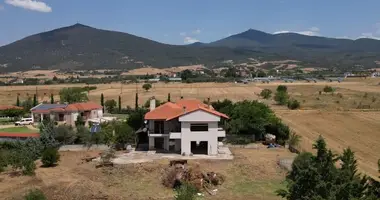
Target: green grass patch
(20,129)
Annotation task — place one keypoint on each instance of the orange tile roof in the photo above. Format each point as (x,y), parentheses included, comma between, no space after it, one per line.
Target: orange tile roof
(171,110)
(5,107)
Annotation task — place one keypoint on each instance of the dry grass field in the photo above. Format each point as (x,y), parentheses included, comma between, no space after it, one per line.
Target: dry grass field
(355,129)
(253,174)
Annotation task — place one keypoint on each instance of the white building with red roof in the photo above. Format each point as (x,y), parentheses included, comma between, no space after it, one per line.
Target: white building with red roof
(67,113)
(190,124)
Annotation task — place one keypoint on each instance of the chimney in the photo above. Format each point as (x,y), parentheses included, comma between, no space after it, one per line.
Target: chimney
(152,103)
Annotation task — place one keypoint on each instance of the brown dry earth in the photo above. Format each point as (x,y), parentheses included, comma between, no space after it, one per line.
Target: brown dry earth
(253,174)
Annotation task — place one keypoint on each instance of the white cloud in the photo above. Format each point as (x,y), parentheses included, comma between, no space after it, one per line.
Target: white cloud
(313,31)
(182,34)
(190,40)
(34,5)
(369,36)
(197,31)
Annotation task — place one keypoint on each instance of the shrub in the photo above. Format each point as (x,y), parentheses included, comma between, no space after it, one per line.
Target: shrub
(328,89)
(65,134)
(293,104)
(340,95)
(50,157)
(266,93)
(320,92)
(147,86)
(282,88)
(35,194)
(281,97)
(365,95)
(186,192)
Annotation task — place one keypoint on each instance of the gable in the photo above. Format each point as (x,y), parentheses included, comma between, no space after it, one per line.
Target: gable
(199,116)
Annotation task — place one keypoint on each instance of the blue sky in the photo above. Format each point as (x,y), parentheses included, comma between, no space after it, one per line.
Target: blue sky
(185,21)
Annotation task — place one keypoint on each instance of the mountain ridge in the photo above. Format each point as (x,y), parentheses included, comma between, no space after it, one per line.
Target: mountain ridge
(84,47)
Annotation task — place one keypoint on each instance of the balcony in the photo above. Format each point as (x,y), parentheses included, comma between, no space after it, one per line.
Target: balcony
(175,135)
(152,134)
(221,132)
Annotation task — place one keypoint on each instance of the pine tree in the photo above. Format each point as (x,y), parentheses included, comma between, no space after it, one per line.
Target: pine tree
(52,99)
(35,100)
(168,97)
(136,101)
(18,101)
(102,101)
(119,103)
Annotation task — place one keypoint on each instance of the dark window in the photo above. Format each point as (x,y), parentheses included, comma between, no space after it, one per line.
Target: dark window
(159,127)
(198,127)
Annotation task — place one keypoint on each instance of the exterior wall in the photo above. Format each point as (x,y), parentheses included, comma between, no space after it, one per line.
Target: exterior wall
(96,114)
(211,137)
(187,136)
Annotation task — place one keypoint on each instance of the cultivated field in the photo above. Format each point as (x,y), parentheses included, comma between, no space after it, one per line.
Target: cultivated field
(253,174)
(355,129)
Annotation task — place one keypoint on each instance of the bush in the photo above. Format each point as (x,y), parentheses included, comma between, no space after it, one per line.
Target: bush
(35,194)
(328,89)
(186,192)
(294,104)
(50,157)
(266,93)
(65,134)
(147,86)
(281,97)
(282,88)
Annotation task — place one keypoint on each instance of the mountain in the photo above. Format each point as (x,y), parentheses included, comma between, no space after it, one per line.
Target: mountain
(312,50)
(84,47)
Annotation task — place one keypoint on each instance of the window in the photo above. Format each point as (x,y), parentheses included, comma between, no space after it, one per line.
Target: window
(198,127)
(159,127)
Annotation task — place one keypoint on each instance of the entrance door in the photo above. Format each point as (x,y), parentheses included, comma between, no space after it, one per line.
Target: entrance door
(201,148)
(159,143)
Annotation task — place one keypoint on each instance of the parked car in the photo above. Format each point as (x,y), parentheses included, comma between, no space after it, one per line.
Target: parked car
(24,121)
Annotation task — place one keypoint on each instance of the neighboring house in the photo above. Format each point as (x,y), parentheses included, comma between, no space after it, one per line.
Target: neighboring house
(17,136)
(7,107)
(190,124)
(67,113)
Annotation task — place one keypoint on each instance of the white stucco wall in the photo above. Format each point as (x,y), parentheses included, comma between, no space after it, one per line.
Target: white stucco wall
(211,136)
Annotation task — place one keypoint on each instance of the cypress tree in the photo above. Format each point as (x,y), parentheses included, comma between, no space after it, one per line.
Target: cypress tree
(119,103)
(168,97)
(136,101)
(35,100)
(51,98)
(18,101)
(102,100)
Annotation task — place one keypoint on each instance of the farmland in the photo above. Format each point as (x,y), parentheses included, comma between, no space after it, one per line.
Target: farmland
(338,116)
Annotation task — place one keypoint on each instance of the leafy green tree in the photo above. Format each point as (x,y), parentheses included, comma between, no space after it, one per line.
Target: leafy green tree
(13,112)
(102,100)
(186,74)
(110,105)
(52,99)
(65,134)
(50,157)
(35,102)
(136,101)
(119,104)
(72,95)
(18,101)
(294,104)
(136,118)
(147,86)
(80,121)
(266,93)
(124,134)
(281,97)
(27,104)
(282,88)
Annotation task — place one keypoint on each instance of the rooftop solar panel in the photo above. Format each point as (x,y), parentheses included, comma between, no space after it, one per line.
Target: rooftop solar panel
(49,106)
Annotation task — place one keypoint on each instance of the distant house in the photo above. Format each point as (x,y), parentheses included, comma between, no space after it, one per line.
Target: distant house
(190,124)
(67,113)
(175,79)
(6,107)
(17,136)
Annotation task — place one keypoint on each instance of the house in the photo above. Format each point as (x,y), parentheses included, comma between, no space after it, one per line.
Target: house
(190,124)
(67,113)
